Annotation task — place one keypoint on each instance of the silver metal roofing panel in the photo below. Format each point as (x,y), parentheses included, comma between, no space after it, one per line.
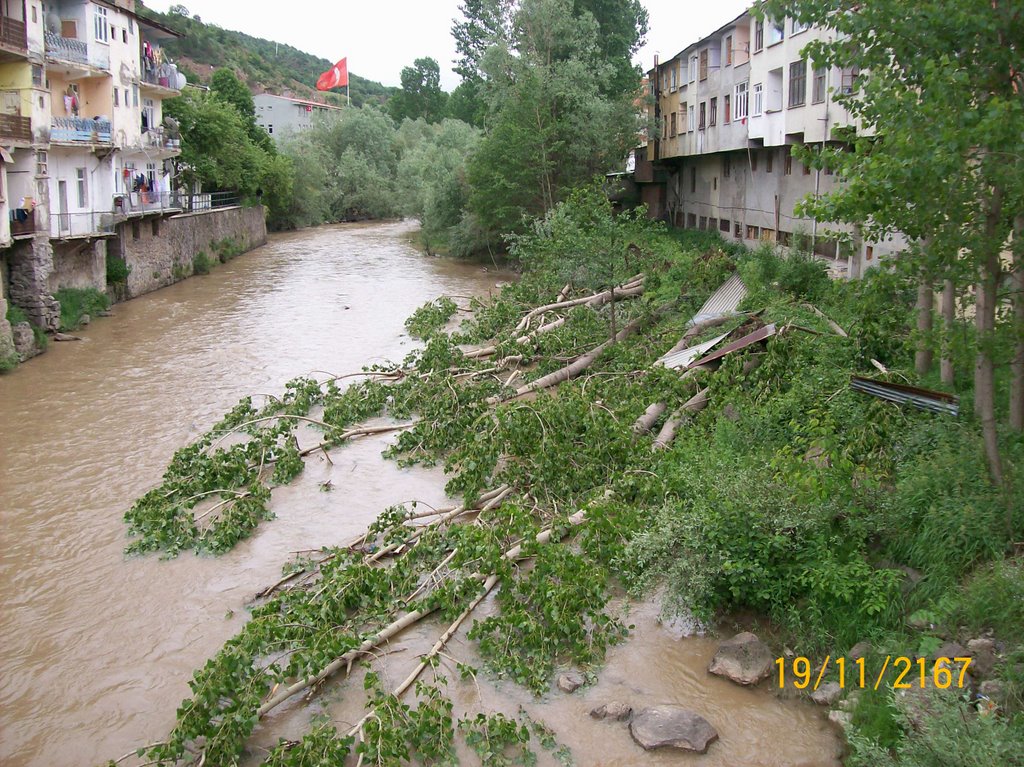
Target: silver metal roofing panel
(683,358)
(723,301)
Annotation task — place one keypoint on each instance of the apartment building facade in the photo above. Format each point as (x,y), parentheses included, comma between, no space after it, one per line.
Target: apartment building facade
(84,146)
(730,108)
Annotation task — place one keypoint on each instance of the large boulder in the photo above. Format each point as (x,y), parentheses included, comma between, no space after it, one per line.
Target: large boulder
(25,341)
(672,727)
(744,659)
(827,694)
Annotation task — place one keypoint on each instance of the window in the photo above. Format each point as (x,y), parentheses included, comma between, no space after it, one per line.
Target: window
(714,183)
(869,251)
(752,232)
(738,231)
(728,50)
(83,187)
(740,104)
(151,175)
(100,24)
(703,222)
(726,166)
(37,75)
(818,89)
(712,223)
(758,35)
(776,32)
(693,68)
(848,80)
(713,116)
(724,225)
(703,122)
(769,161)
(691,220)
(117,97)
(799,26)
(690,122)
(124,36)
(797,83)
(148,114)
(270,129)
(131,25)
(704,64)
(787,165)
(35,18)
(673,131)
(758,101)
(673,86)
(135,95)
(726,108)
(693,180)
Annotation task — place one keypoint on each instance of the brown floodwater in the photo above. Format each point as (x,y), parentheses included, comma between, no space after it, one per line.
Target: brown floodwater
(96,649)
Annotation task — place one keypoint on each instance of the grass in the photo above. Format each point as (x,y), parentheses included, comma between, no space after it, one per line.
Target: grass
(76,303)
(201,263)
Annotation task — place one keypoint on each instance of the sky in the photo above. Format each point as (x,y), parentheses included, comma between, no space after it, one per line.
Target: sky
(379,38)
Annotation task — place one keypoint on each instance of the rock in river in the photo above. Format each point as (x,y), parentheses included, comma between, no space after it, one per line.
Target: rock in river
(744,659)
(616,710)
(673,727)
(570,682)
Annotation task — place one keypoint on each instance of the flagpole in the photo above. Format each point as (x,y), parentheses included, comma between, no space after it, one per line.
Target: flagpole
(348,93)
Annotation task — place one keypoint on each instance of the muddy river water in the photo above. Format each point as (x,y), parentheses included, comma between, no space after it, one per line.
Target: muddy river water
(96,649)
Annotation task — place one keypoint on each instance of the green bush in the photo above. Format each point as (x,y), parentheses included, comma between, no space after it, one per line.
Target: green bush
(201,263)
(117,270)
(992,598)
(15,314)
(75,303)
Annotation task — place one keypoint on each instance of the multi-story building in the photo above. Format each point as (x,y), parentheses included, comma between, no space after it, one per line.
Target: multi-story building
(281,115)
(729,110)
(86,150)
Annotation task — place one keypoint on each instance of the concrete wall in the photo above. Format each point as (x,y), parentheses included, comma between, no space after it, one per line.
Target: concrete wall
(160,250)
(79,264)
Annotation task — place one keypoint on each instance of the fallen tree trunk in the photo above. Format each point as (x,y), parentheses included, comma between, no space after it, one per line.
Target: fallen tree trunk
(695,404)
(631,287)
(646,422)
(392,630)
(836,327)
(573,369)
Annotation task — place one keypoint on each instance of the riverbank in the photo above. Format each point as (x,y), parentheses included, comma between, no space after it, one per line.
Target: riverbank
(143,255)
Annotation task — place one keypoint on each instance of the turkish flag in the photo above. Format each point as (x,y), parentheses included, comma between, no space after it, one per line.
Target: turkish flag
(335,77)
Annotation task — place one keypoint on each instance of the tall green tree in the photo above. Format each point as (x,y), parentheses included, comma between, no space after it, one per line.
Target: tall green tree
(421,95)
(940,156)
(551,124)
(623,29)
(225,86)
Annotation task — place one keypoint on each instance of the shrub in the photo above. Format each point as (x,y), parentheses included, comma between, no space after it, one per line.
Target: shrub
(201,263)
(117,270)
(75,303)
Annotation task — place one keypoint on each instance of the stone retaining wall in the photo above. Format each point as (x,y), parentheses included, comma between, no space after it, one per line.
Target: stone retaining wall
(160,251)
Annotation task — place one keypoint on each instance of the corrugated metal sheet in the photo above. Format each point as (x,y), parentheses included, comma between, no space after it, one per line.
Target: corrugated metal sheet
(748,340)
(683,358)
(723,301)
(923,399)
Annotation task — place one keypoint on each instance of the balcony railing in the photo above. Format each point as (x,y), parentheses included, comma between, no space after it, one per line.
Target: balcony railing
(157,138)
(15,128)
(164,76)
(80,130)
(13,33)
(66,48)
(128,203)
(83,224)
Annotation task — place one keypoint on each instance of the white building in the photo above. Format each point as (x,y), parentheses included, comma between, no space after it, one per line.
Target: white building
(731,107)
(282,115)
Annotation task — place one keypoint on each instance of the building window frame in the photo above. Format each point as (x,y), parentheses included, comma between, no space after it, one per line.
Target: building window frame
(758,35)
(776,32)
(704,65)
(82,186)
(713,113)
(691,122)
(820,85)
(728,50)
(726,109)
(741,101)
(101,29)
(702,121)
(797,83)
(757,107)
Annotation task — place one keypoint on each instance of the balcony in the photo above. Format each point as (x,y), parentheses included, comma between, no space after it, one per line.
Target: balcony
(129,204)
(161,79)
(65,226)
(70,50)
(80,130)
(23,223)
(15,128)
(13,36)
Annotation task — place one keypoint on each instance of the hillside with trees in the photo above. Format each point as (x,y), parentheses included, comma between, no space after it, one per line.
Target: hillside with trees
(264,64)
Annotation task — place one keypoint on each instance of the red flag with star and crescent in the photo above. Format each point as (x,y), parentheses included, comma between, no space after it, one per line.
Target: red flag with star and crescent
(335,77)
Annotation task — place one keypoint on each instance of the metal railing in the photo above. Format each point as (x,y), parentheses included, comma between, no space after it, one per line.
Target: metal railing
(13,33)
(163,76)
(210,201)
(129,203)
(158,138)
(80,130)
(80,224)
(66,48)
